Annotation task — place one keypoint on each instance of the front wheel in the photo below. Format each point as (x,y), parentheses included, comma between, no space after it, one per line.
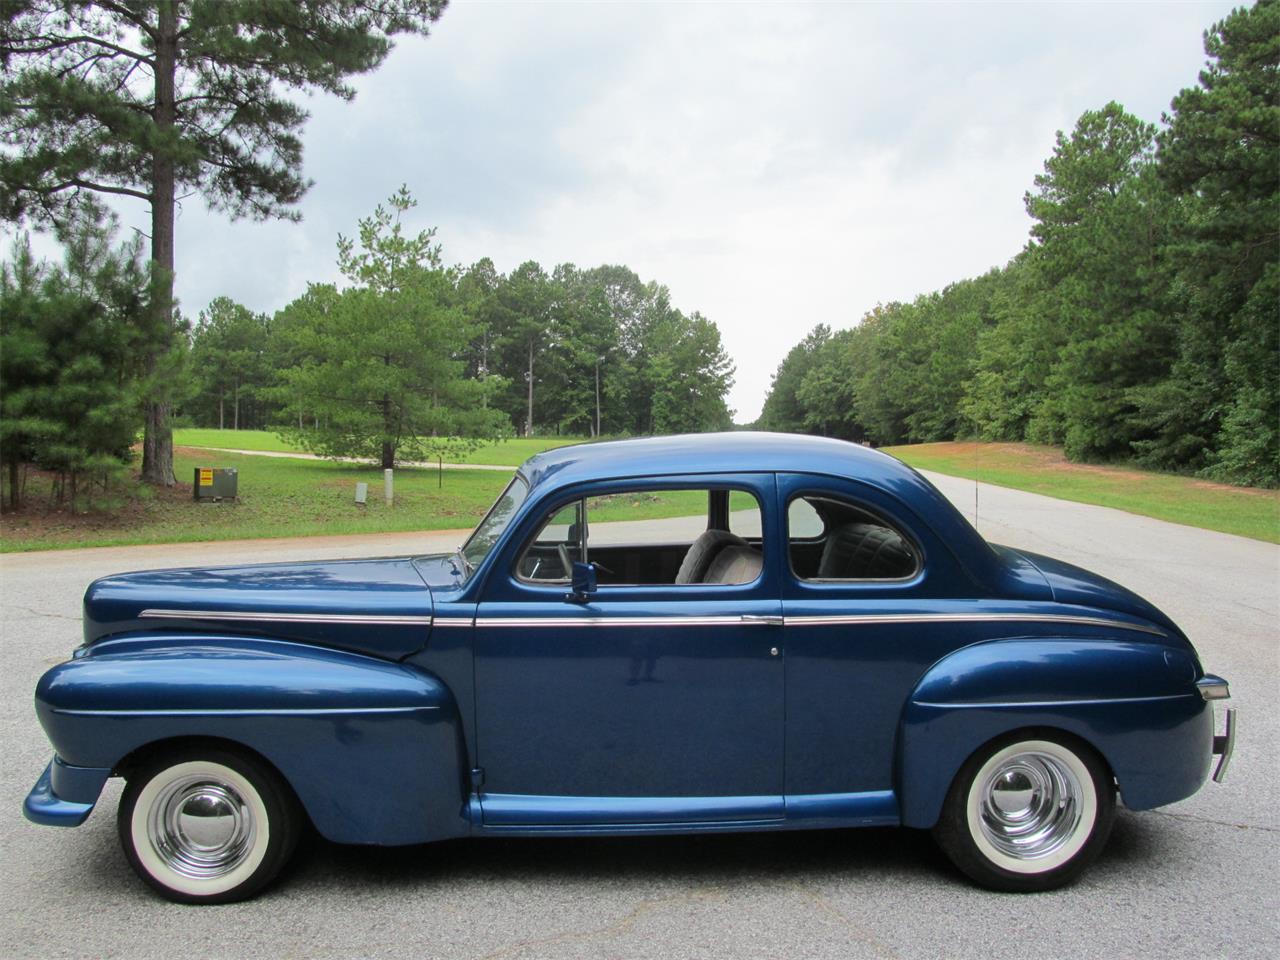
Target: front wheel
(1027,814)
(207,825)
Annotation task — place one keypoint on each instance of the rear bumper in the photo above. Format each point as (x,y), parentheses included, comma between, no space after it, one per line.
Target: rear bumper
(64,796)
(1224,745)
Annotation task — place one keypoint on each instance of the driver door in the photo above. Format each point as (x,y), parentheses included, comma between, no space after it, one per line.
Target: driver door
(642,703)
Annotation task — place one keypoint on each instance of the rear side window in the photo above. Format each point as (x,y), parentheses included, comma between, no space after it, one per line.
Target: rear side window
(830,539)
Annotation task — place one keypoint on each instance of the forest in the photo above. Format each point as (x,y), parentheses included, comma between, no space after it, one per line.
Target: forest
(1140,322)
(407,360)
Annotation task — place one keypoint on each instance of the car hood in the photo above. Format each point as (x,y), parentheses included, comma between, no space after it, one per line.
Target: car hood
(1071,584)
(380,607)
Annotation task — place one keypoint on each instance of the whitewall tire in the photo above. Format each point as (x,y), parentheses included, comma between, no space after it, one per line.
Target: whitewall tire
(207,825)
(1028,813)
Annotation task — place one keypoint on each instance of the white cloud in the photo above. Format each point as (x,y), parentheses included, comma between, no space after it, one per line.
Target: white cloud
(776,165)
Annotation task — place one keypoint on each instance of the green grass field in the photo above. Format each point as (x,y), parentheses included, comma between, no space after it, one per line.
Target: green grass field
(1244,511)
(510,453)
(296,498)
(289,498)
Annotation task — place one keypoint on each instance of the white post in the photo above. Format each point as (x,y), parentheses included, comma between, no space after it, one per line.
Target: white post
(388,486)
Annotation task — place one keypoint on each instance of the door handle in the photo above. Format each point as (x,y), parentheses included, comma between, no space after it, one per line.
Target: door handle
(764,621)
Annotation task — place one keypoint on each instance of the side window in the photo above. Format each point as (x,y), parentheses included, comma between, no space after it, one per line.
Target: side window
(830,539)
(651,537)
(556,548)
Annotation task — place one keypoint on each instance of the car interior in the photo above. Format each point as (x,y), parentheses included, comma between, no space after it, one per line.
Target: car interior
(829,540)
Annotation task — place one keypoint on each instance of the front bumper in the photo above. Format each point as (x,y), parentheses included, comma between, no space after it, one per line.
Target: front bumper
(64,796)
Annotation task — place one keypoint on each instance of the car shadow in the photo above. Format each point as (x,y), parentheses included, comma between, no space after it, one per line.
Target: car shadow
(705,858)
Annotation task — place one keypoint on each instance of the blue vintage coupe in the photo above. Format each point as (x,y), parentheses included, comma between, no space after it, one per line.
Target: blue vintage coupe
(816,639)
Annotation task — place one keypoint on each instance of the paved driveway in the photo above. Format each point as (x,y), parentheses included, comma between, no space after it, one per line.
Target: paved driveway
(1197,879)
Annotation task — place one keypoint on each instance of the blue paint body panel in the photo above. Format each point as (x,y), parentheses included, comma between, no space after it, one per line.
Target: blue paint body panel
(46,806)
(373,749)
(404,701)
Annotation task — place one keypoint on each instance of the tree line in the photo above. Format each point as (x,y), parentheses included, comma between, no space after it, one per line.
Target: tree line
(408,359)
(1140,322)
(412,358)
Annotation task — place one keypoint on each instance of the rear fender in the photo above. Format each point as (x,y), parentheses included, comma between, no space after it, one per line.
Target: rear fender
(1134,702)
(373,749)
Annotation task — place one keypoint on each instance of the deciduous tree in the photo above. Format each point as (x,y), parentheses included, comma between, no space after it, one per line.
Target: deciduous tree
(148,100)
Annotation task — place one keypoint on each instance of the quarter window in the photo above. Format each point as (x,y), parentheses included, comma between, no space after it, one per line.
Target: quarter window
(830,539)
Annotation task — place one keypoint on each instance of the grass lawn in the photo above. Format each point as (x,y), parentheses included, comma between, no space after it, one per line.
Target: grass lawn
(295,498)
(509,453)
(1245,511)
(278,498)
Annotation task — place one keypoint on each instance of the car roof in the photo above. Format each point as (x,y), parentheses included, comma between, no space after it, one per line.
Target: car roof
(753,452)
(737,452)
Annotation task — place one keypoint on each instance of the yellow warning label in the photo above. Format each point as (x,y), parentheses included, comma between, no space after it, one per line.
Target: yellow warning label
(206,477)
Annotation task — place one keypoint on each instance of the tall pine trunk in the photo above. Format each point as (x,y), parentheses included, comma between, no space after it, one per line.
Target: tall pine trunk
(388,448)
(528,422)
(157,442)
(596,432)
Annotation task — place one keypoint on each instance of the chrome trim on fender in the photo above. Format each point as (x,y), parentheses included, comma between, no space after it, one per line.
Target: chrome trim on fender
(844,620)
(978,704)
(242,712)
(250,616)
(454,621)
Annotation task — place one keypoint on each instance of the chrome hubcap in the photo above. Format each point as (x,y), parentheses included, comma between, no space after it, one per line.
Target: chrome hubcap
(1030,805)
(202,828)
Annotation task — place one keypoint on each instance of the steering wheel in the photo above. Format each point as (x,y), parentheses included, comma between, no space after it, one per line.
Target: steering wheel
(565,562)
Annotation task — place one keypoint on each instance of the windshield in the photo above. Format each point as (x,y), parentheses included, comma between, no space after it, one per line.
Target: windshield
(494,524)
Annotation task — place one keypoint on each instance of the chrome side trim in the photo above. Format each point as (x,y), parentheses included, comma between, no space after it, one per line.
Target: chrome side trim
(242,712)
(455,621)
(1224,746)
(978,705)
(1078,620)
(608,621)
(254,616)
(815,620)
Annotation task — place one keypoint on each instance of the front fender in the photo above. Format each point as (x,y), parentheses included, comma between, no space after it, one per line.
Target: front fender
(1134,702)
(373,749)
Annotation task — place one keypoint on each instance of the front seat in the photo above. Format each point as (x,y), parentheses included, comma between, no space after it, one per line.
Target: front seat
(696,562)
(734,564)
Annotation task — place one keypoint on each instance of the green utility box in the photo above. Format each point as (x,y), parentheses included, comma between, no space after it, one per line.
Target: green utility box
(213,484)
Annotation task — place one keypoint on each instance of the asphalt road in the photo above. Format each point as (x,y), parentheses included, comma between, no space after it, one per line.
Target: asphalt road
(1197,879)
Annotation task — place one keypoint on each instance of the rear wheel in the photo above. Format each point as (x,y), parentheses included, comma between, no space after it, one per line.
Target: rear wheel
(207,825)
(1027,814)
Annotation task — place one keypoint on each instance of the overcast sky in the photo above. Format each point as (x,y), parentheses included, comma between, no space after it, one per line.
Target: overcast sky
(775,165)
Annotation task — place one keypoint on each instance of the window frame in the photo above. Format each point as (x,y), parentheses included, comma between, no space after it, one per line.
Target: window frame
(875,515)
(646,484)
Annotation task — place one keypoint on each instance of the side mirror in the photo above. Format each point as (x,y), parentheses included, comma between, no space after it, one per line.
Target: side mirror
(584,582)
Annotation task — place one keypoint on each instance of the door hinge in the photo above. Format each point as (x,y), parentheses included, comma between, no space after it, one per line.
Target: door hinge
(477,778)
